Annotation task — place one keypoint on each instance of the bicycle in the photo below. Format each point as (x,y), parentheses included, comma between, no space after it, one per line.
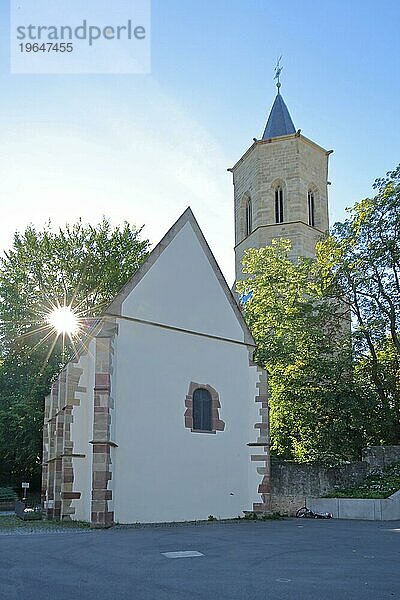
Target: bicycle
(307,513)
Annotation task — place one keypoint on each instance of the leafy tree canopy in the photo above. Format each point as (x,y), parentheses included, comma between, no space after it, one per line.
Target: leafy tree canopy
(362,259)
(331,393)
(79,265)
(303,340)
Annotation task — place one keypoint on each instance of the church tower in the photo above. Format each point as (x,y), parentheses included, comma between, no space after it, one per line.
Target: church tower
(280,188)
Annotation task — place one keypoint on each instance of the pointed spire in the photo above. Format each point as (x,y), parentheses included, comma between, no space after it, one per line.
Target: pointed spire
(279,120)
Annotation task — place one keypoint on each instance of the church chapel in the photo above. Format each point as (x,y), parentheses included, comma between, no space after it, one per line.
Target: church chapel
(162,416)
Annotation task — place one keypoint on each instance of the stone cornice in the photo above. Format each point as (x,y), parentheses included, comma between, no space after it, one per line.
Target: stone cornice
(280,225)
(182,330)
(282,138)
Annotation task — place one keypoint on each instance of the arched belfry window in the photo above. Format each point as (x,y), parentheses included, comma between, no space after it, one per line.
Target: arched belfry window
(249,217)
(202,410)
(311,208)
(279,216)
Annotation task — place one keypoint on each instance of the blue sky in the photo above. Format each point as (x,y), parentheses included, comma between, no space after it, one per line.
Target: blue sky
(143,147)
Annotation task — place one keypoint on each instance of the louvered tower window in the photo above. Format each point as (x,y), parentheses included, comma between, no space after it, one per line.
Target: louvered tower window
(279,205)
(249,217)
(202,410)
(311,209)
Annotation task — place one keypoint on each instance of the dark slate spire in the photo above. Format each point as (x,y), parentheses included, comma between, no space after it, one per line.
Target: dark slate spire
(279,120)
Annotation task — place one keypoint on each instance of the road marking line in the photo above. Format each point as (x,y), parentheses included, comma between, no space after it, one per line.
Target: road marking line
(183,554)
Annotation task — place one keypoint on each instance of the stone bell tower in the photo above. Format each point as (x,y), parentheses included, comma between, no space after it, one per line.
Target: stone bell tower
(280,188)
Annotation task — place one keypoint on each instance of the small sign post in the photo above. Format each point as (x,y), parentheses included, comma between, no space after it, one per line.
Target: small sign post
(25,487)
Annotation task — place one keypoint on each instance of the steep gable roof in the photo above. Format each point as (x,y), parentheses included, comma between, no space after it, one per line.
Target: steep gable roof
(115,307)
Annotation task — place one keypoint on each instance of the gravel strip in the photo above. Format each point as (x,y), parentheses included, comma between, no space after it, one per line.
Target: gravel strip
(53,530)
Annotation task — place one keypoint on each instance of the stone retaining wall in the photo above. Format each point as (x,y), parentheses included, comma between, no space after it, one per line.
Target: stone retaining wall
(379,457)
(292,483)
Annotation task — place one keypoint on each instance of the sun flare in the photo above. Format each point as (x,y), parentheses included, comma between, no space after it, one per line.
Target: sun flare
(64,321)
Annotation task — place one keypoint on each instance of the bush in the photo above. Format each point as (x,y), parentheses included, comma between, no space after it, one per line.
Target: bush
(7,494)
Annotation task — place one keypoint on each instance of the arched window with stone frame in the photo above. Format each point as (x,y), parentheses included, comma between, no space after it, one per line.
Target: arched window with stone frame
(245,217)
(202,408)
(311,207)
(249,216)
(279,204)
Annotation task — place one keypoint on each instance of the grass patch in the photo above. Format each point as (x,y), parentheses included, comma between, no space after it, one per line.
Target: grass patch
(379,484)
(251,516)
(12,522)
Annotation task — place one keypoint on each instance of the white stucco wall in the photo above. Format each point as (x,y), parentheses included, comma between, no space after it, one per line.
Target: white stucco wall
(182,290)
(163,471)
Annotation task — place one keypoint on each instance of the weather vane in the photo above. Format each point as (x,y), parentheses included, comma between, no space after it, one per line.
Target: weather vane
(278,70)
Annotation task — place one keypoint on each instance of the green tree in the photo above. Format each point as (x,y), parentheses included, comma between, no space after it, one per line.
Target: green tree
(362,259)
(80,265)
(303,341)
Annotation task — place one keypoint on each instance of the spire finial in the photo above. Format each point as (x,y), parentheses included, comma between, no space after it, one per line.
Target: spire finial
(278,70)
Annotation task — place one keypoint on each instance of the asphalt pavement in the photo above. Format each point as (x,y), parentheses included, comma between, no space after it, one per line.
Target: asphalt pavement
(273,560)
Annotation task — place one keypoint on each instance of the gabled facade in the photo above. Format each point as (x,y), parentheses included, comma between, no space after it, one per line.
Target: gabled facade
(162,416)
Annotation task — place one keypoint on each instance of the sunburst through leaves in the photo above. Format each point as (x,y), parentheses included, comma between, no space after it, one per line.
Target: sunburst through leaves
(67,322)
(64,321)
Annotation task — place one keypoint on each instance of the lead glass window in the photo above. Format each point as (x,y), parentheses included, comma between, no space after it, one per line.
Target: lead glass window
(202,410)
